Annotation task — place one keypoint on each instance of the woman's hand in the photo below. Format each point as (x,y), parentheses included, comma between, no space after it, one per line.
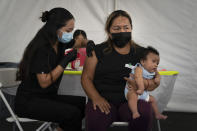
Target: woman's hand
(157,78)
(71,56)
(102,104)
(157,81)
(131,82)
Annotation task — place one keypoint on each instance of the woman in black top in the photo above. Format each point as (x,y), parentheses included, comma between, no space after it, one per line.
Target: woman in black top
(41,70)
(103,78)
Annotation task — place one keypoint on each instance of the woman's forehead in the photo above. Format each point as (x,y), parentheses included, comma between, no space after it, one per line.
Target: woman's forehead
(121,21)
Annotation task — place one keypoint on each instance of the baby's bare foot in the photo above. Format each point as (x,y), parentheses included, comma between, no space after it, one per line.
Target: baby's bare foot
(136,115)
(161,116)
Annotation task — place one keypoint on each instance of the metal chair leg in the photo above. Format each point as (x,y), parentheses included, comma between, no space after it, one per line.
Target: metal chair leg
(13,126)
(46,126)
(158,125)
(50,128)
(10,110)
(43,126)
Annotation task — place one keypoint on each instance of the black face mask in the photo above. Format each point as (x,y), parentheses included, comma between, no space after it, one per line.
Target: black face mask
(121,39)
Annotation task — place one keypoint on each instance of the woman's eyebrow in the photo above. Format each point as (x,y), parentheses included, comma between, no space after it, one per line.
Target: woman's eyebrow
(125,25)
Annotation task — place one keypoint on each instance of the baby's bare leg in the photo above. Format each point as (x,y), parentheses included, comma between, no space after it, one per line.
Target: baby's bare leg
(132,98)
(158,115)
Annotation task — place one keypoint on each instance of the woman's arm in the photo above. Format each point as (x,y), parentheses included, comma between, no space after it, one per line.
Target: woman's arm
(88,86)
(88,76)
(149,84)
(157,78)
(46,80)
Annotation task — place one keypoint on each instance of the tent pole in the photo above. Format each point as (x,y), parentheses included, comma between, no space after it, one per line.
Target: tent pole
(115,4)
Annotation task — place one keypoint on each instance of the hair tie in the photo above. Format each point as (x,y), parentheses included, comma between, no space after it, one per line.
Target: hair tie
(45,16)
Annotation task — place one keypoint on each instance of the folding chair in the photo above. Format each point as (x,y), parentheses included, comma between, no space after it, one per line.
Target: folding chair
(7,80)
(17,120)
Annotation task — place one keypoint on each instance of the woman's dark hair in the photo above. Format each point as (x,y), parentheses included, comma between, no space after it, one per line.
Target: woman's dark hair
(46,36)
(109,22)
(78,32)
(148,50)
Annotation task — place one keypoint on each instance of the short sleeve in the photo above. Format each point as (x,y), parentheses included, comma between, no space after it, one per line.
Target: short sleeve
(40,61)
(99,50)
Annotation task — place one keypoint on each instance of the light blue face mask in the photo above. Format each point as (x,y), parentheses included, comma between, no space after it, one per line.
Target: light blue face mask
(66,37)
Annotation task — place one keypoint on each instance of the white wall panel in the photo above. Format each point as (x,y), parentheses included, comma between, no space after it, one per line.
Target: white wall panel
(170,26)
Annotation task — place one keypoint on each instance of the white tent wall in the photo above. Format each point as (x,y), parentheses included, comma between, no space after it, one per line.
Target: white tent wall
(20,21)
(168,25)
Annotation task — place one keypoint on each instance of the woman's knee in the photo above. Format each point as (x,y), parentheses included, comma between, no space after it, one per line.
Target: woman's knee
(92,116)
(97,120)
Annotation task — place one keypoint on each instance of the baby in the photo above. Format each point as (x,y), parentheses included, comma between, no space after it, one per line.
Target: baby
(146,69)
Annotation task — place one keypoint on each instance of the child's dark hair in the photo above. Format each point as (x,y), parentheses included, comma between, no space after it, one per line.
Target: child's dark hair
(148,50)
(78,32)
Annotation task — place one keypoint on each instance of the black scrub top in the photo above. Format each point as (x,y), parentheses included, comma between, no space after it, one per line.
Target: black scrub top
(110,71)
(44,60)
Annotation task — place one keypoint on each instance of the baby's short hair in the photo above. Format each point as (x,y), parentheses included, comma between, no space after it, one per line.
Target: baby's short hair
(148,50)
